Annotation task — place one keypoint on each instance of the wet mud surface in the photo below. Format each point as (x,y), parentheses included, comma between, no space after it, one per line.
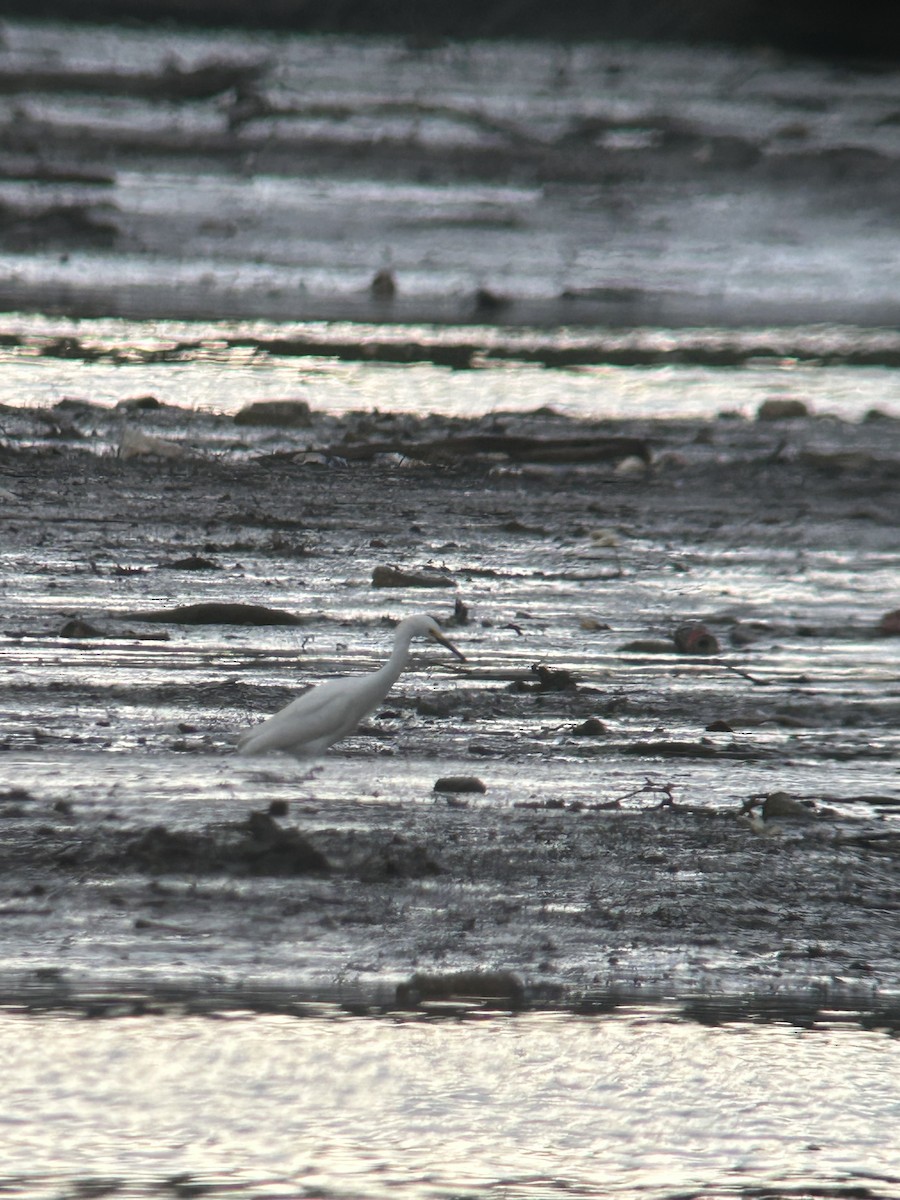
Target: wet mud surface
(622,816)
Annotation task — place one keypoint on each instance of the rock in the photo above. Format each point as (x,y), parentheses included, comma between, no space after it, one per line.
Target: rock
(76,628)
(488,303)
(459,783)
(592,727)
(672,749)
(646,646)
(694,638)
(395,577)
(193,562)
(606,538)
(219,614)
(592,624)
(280,414)
(383,285)
(889,625)
(138,404)
(504,986)
(781,804)
(781,408)
(632,465)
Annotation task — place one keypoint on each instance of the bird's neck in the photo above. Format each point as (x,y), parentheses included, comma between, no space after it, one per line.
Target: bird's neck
(393,668)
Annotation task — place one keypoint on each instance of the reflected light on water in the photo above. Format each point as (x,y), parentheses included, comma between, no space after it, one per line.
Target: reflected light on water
(636,1102)
(213,375)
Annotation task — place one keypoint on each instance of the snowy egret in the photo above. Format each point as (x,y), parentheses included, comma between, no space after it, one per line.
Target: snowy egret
(308,725)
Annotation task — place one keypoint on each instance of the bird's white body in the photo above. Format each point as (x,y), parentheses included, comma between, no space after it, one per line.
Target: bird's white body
(310,724)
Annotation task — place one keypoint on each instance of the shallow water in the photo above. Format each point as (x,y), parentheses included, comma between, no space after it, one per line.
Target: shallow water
(611,182)
(634,1104)
(221,379)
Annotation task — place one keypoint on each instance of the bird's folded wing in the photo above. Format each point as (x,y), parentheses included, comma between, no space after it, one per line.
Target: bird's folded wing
(317,713)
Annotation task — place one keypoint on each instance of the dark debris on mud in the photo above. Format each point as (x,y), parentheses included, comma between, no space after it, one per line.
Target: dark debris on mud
(586,903)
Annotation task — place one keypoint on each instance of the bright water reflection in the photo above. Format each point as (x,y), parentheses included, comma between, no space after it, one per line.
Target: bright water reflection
(218,378)
(639,1102)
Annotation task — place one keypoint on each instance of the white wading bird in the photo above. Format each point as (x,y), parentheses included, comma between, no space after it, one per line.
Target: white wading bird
(308,725)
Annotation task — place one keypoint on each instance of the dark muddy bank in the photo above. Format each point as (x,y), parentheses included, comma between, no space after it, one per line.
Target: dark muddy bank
(620,843)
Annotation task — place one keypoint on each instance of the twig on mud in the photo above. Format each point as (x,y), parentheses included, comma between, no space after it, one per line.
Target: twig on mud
(649,786)
(743,674)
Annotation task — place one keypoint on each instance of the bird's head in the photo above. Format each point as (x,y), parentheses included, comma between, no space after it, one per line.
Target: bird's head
(436,633)
(425,626)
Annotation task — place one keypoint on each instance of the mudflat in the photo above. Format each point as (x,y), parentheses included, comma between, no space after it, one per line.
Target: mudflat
(624,814)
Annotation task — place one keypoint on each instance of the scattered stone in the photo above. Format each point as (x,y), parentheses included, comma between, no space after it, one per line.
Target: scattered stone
(631,465)
(781,804)
(719,727)
(281,414)
(782,408)
(193,562)
(889,625)
(489,303)
(694,638)
(646,646)
(383,285)
(480,986)
(76,628)
(459,783)
(605,538)
(592,624)
(666,749)
(592,727)
(138,404)
(394,577)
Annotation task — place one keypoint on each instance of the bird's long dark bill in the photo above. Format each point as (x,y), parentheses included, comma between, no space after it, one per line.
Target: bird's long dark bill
(439,637)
